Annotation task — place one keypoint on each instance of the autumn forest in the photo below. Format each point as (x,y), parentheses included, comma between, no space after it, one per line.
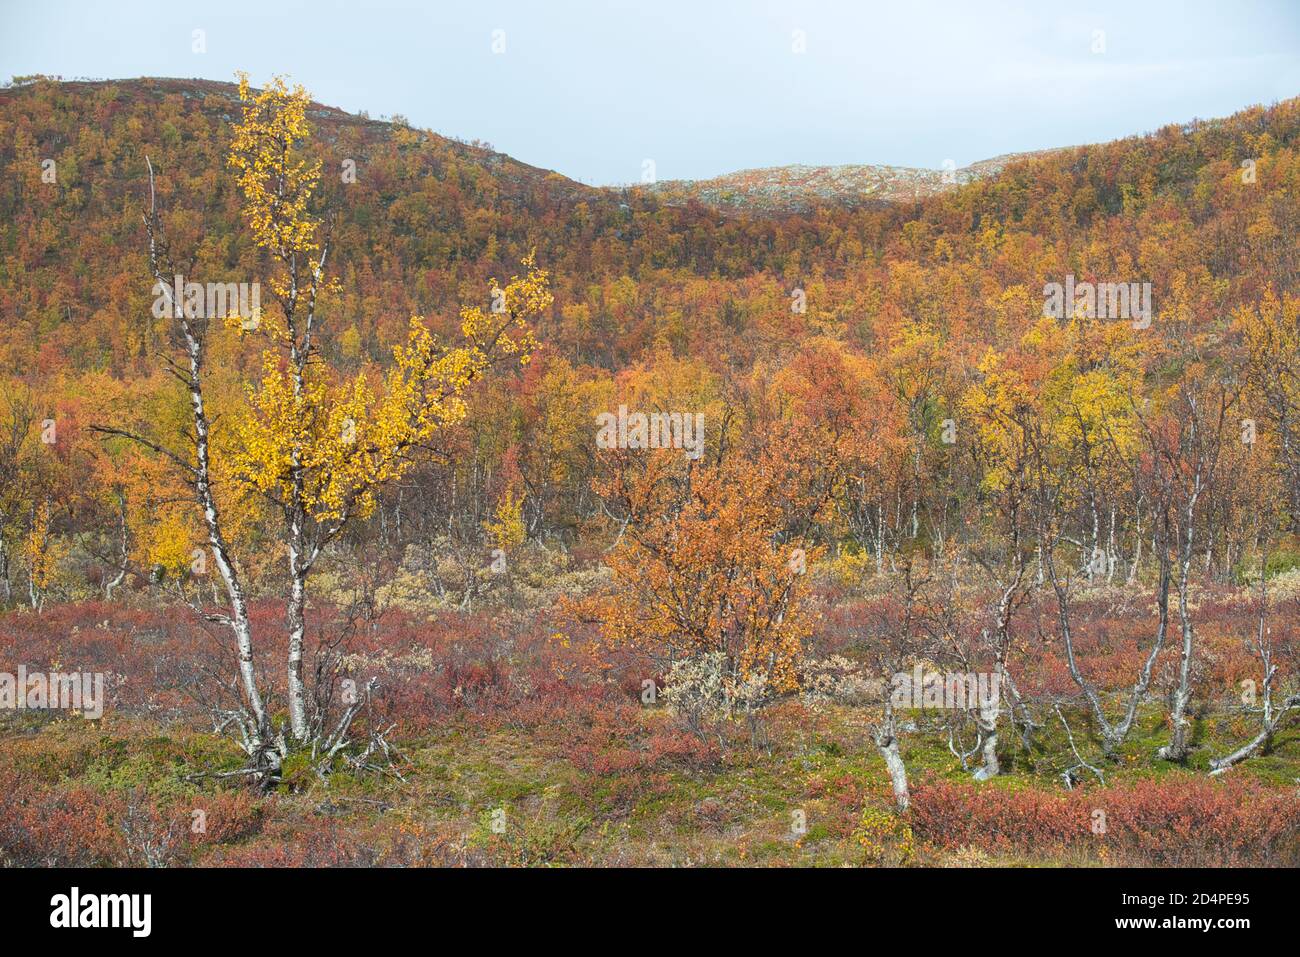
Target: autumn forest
(404,504)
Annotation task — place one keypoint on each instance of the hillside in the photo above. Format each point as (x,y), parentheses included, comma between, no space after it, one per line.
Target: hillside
(801,189)
(428,220)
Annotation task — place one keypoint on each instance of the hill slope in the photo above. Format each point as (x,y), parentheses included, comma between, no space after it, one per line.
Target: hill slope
(429,220)
(798,188)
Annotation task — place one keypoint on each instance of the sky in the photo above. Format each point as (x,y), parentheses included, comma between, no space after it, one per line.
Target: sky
(706,87)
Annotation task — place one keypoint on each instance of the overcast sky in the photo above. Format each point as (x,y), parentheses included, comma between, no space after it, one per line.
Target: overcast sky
(704,87)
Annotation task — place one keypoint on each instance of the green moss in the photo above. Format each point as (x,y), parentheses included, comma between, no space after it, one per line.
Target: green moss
(158,769)
(297,773)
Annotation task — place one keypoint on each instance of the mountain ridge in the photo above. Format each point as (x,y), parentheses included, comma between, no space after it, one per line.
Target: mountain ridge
(765,190)
(801,187)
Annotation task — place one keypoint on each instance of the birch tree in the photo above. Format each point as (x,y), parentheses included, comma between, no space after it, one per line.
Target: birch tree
(313,446)
(1193,459)
(1271,655)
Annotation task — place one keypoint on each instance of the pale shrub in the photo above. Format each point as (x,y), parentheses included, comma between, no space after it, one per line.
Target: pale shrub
(706,687)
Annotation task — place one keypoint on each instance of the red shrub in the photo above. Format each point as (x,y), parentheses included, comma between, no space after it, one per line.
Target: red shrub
(1172,822)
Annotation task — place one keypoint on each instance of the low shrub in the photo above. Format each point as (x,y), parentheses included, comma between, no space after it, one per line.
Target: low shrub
(1176,822)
